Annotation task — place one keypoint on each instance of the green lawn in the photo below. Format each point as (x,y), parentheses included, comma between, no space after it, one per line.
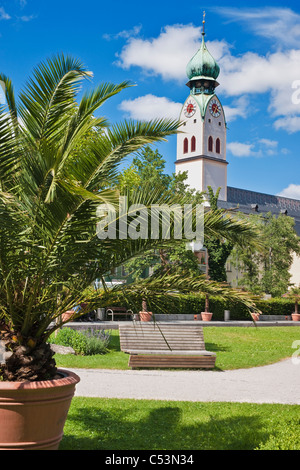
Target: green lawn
(236,347)
(113,424)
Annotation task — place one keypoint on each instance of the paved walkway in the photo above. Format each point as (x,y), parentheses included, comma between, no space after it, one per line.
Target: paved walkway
(276,383)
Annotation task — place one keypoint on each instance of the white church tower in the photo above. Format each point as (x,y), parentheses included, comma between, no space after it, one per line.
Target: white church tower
(201,144)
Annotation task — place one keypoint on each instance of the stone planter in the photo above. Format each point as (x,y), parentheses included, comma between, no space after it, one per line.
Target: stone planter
(206,316)
(33,414)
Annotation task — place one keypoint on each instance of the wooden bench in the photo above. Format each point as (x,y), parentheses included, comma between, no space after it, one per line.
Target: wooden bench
(162,345)
(118,311)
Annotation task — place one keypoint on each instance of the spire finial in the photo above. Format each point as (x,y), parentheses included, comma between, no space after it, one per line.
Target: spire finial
(203,24)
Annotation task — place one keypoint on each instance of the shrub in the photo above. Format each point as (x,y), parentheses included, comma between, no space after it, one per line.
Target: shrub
(192,304)
(96,342)
(86,343)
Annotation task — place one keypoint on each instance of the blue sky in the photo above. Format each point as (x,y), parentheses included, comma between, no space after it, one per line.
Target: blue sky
(256,45)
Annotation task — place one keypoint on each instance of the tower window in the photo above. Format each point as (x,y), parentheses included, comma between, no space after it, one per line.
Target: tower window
(193,144)
(220,124)
(210,144)
(218,146)
(185,145)
(195,120)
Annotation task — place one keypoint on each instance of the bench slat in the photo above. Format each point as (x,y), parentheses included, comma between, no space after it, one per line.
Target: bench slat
(192,352)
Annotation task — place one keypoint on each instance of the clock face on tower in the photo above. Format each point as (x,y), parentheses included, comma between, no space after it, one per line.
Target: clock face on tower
(214,108)
(189,108)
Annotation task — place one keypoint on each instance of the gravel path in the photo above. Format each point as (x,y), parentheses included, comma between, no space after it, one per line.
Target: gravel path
(276,383)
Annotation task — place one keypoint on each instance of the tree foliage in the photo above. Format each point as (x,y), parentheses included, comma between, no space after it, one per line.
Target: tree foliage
(268,270)
(218,249)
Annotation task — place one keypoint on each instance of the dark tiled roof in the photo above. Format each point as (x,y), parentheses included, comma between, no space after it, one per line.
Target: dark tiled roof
(243,196)
(253,202)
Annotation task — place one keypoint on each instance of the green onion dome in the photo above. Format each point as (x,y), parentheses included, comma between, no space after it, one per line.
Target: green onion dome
(202,64)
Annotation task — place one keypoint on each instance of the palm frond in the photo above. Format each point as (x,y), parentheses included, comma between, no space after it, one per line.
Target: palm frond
(167,287)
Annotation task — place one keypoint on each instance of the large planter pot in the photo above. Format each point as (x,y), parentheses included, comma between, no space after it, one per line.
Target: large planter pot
(33,414)
(296,316)
(145,316)
(206,316)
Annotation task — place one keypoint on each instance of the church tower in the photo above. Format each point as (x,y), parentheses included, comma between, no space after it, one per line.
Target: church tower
(201,144)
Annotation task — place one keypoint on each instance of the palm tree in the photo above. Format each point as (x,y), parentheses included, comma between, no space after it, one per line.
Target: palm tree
(58,162)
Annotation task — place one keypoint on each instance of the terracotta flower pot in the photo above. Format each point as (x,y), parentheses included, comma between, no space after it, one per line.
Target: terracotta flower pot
(206,316)
(198,317)
(33,414)
(66,316)
(145,316)
(255,316)
(296,316)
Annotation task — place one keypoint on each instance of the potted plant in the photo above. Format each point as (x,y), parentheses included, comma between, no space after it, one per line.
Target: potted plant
(206,315)
(145,315)
(255,316)
(294,294)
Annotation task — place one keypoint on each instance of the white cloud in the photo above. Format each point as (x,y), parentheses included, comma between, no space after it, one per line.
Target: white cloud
(239,149)
(4,15)
(151,107)
(290,124)
(281,25)
(259,148)
(27,18)
(167,55)
(123,34)
(269,143)
(241,76)
(292,191)
(239,108)
(253,73)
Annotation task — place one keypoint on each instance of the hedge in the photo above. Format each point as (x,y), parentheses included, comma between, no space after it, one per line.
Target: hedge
(191,304)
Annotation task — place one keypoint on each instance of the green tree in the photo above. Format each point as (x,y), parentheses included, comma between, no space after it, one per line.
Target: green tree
(218,250)
(269,270)
(148,169)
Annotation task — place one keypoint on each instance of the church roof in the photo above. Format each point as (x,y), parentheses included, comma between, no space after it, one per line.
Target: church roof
(202,100)
(202,64)
(253,202)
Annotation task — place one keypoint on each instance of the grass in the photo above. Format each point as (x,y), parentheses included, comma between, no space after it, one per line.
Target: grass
(114,424)
(236,347)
